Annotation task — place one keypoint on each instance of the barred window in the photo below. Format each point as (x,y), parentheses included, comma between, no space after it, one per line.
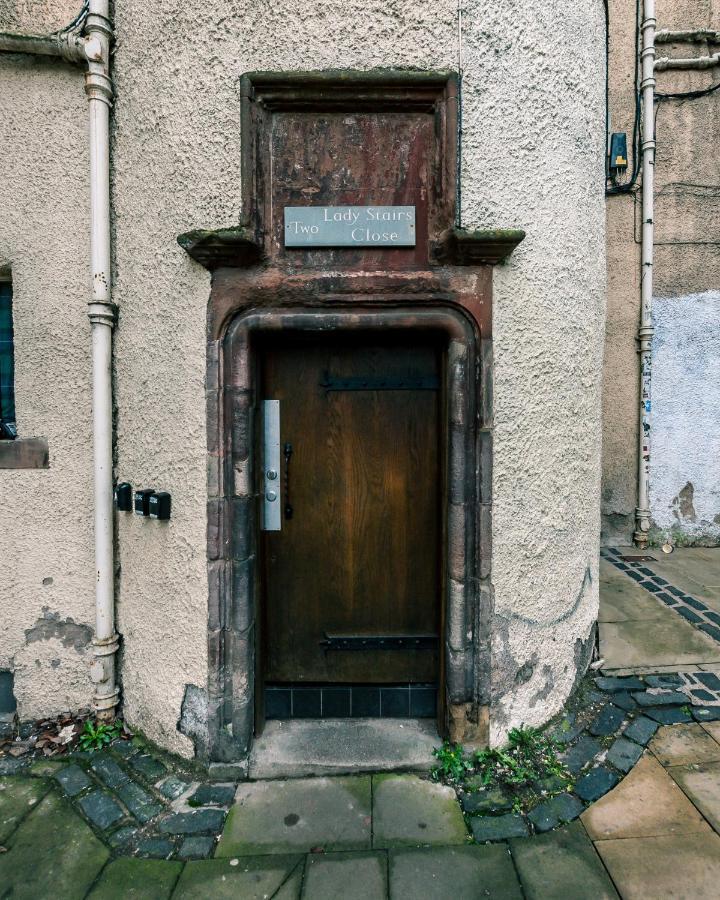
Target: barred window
(8,430)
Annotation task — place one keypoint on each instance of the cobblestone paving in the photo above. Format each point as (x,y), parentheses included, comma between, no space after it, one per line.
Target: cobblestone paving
(694,611)
(136,802)
(364,837)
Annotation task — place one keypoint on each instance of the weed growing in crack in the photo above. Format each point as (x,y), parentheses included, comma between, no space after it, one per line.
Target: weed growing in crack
(98,735)
(524,772)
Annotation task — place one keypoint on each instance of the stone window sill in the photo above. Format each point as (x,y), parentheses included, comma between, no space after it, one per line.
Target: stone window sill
(24,453)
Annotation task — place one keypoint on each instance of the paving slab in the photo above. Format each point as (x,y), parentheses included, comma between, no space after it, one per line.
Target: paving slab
(409,811)
(352,876)
(671,642)
(454,872)
(144,879)
(681,866)
(302,747)
(298,816)
(680,745)
(701,783)
(18,796)
(292,885)
(623,600)
(561,864)
(713,729)
(52,853)
(647,802)
(249,878)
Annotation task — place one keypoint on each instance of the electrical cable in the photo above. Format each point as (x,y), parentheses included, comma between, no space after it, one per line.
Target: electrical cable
(689,95)
(628,186)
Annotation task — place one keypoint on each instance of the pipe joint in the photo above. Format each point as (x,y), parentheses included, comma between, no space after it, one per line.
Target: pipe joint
(102,313)
(98,86)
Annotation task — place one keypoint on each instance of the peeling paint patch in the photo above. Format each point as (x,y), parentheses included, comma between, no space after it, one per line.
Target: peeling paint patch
(526,670)
(546,689)
(194,718)
(67,631)
(682,504)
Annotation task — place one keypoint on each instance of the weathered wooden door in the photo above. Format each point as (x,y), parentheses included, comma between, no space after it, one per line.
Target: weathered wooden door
(357,557)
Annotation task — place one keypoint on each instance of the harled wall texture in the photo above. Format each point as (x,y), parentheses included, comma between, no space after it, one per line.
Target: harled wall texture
(533,117)
(47,564)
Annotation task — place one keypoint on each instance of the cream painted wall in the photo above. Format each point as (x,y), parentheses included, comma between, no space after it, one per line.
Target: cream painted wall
(46,553)
(533,115)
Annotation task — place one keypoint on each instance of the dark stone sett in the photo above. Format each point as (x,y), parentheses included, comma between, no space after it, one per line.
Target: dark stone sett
(498,828)
(625,701)
(73,780)
(669,698)
(702,694)
(214,795)
(591,786)
(696,604)
(671,715)
(487,802)
(612,683)
(711,630)
(709,679)
(667,680)
(101,809)
(577,757)
(148,766)
(172,787)
(706,713)
(109,771)
(193,822)
(641,730)
(198,846)
(688,614)
(551,813)
(651,586)
(141,804)
(624,754)
(607,722)
(155,848)
(674,590)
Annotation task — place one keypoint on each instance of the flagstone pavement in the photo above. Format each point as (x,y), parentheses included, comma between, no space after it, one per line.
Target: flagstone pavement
(656,835)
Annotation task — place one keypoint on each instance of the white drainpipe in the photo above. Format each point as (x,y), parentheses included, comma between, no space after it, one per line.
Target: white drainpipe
(693,62)
(645,332)
(93,48)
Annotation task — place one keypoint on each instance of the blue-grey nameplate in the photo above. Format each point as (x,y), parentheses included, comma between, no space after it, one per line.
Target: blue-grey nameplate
(349,226)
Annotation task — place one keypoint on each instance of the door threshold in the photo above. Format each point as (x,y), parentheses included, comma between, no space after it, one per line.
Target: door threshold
(296,748)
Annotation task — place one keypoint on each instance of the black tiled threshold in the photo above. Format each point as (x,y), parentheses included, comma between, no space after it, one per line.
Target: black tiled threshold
(333,701)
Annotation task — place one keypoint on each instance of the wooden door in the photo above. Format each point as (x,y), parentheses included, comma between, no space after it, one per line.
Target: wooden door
(359,558)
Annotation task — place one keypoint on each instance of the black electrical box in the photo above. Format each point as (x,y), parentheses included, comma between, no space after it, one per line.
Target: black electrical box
(618,153)
(160,505)
(123,496)
(142,501)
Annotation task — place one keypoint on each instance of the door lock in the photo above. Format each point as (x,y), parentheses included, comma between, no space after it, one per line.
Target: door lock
(271,514)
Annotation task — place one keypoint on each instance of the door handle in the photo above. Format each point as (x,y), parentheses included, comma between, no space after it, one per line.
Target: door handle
(271,517)
(288,450)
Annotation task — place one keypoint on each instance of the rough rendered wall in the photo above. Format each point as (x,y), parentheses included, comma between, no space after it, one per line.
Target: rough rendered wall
(687,262)
(533,119)
(685,464)
(534,159)
(46,544)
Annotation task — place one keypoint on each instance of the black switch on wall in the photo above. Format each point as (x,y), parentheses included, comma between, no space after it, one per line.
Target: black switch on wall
(160,505)
(142,501)
(123,496)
